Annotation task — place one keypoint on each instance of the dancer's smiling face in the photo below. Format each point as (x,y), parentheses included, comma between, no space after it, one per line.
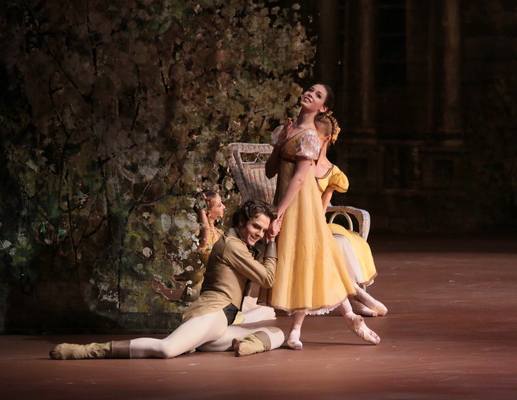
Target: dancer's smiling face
(314,99)
(216,207)
(254,230)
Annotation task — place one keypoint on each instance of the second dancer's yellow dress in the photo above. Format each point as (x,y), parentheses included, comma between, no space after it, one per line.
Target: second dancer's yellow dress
(358,254)
(311,275)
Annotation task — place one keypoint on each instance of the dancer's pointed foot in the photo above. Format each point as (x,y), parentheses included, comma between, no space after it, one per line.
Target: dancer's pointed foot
(294,340)
(369,301)
(362,309)
(357,325)
(68,351)
(379,308)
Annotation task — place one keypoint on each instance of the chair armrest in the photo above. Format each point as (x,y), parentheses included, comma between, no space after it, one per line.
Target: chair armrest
(362,217)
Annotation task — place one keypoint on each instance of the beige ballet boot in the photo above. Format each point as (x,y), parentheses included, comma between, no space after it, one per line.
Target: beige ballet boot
(120,349)
(257,342)
(69,351)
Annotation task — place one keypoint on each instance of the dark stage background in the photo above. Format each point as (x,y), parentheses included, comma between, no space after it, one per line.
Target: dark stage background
(112,115)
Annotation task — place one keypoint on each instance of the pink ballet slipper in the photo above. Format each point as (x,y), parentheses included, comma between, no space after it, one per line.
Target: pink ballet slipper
(362,309)
(357,325)
(379,308)
(294,340)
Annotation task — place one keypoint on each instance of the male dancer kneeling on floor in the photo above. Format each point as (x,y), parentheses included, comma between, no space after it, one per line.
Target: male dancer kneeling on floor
(206,322)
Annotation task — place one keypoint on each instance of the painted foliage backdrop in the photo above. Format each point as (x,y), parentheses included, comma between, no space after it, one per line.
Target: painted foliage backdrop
(113,114)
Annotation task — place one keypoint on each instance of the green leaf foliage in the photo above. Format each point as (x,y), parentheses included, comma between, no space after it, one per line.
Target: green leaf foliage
(113,114)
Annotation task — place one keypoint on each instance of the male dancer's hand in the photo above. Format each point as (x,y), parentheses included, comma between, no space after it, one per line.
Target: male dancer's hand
(274,229)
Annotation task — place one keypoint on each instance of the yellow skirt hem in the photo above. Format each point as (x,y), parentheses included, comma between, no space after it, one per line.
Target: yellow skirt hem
(312,311)
(369,281)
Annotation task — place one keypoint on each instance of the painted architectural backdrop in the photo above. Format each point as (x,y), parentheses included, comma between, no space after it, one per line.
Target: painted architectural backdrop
(426,90)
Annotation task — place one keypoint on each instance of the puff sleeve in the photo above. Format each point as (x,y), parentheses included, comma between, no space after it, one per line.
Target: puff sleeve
(308,145)
(276,134)
(338,181)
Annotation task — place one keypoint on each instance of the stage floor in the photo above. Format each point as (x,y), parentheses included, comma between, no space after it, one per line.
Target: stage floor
(451,333)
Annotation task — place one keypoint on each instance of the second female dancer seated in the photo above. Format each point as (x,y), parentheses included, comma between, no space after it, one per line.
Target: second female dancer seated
(355,249)
(312,277)
(206,323)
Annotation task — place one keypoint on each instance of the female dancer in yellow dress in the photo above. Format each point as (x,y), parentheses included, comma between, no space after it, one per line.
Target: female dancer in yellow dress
(355,249)
(312,277)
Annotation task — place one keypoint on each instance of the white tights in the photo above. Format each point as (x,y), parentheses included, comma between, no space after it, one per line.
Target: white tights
(208,332)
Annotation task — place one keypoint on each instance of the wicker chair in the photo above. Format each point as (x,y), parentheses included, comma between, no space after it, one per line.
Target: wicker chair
(247,163)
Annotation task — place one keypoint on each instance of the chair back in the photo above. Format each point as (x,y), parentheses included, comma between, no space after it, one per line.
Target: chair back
(247,163)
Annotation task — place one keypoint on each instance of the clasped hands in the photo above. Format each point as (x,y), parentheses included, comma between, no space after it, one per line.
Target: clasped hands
(274,229)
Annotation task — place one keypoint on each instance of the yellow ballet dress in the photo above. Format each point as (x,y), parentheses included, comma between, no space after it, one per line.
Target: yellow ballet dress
(362,267)
(311,275)
(204,252)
